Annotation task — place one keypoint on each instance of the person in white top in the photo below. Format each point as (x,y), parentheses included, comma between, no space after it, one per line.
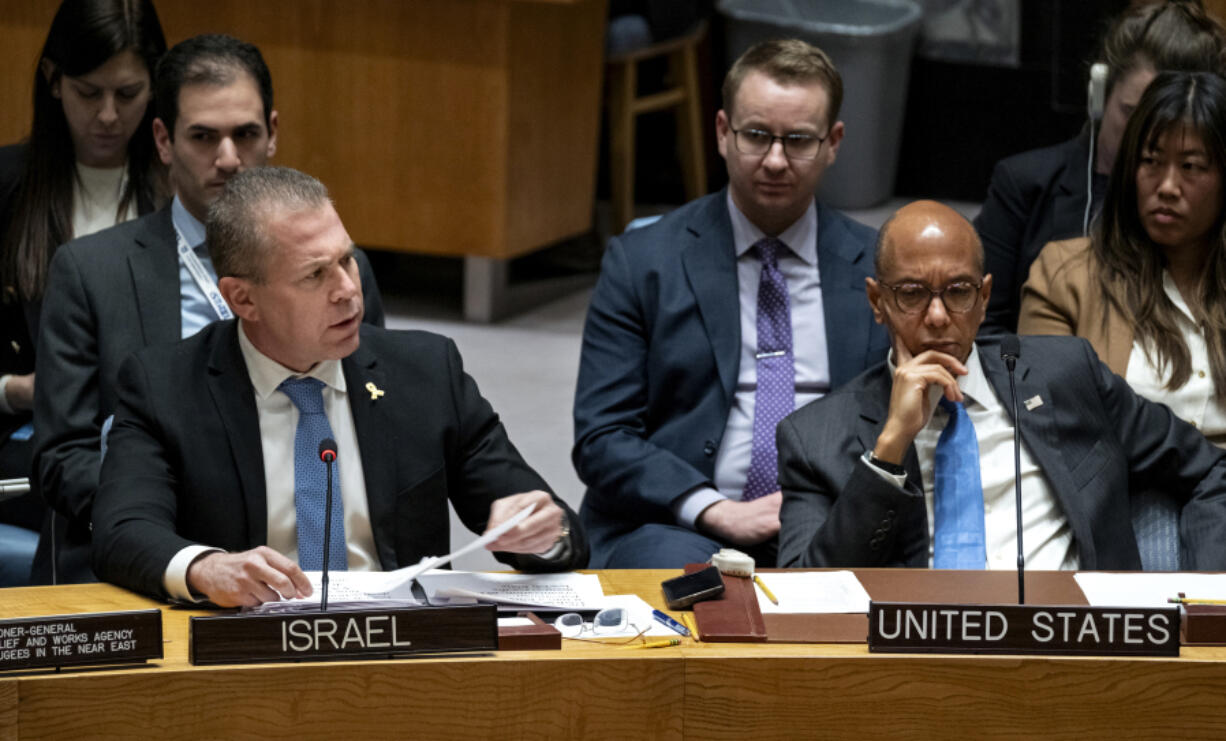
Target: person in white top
(1148,288)
(88,163)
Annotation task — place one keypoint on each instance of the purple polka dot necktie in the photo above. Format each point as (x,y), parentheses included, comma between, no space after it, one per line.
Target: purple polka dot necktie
(311,479)
(958,540)
(775,395)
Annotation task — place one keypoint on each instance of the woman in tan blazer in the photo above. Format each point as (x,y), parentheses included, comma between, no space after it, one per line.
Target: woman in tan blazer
(1148,288)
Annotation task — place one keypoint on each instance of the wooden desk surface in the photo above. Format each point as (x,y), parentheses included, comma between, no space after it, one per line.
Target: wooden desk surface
(697,690)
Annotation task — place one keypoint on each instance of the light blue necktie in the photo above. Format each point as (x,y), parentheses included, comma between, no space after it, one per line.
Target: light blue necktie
(959,541)
(311,478)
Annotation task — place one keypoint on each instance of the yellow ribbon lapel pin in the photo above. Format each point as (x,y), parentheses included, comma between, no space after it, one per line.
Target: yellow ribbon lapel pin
(375,391)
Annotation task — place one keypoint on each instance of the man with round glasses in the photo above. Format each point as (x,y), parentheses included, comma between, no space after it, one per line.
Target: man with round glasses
(912,463)
(709,326)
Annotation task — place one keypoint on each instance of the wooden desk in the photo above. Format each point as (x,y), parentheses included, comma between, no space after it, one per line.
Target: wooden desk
(587,691)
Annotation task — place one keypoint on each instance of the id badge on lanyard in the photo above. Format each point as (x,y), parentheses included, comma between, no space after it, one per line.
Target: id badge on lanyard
(204,281)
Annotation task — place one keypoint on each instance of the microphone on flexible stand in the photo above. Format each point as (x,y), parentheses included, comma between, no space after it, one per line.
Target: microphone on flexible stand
(327,453)
(1010,351)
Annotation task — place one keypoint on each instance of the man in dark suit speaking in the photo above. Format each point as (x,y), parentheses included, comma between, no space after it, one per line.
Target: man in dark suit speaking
(212,484)
(144,282)
(709,326)
(911,464)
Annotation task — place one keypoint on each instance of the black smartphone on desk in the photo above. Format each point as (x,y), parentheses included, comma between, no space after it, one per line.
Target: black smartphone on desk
(683,591)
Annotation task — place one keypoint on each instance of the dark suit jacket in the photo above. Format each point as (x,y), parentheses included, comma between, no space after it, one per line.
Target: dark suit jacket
(108,294)
(184,463)
(1034,198)
(661,353)
(1094,439)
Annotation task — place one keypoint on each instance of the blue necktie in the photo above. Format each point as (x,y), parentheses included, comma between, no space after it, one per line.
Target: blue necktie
(775,395)
(311,478)
(959,541)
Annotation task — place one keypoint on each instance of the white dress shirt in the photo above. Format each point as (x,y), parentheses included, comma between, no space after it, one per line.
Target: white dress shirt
(799,266)
(1194,402)
(1046,534)
(278,423)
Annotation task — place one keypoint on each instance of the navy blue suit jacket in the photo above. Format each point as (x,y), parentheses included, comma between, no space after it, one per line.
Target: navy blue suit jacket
(661,354)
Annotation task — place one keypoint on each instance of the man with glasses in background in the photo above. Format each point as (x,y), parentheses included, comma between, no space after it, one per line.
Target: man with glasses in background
(711,325)
(912,463)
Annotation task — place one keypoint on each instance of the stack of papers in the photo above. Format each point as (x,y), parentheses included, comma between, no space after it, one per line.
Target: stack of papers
(1148,590)
(812,592)
(348,589)
(566,592)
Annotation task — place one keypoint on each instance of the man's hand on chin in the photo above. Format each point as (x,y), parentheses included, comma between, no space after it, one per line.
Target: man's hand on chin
(910,403)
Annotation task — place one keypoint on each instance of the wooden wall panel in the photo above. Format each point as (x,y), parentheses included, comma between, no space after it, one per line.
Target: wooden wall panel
(441,126)
(23,30)
(554,91)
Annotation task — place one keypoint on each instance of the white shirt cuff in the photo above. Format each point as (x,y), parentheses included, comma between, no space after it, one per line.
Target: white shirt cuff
(5,407)
(175,578)
(897,479)
(688,506)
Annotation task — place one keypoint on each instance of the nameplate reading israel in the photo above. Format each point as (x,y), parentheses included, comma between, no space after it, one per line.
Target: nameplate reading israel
(342,634)
(906,627)
(76,640)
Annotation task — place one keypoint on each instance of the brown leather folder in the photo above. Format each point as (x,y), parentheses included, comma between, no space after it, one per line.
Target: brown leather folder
(734,616)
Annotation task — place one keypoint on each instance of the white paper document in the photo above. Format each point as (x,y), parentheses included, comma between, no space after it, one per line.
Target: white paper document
(812,592)
(1148,590)
(345,588)
(568,591)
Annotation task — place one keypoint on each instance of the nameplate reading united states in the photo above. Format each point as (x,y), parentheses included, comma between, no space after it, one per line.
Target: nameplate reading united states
(342,634)
(76,640)
(907,627)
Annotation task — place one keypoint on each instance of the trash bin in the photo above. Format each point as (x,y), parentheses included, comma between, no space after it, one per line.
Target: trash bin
(870,42)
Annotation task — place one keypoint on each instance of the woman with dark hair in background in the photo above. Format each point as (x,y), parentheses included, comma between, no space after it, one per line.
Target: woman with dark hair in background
(1148,289)
(1047,194)
(88,163)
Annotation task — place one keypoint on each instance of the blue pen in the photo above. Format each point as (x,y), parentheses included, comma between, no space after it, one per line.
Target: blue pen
(668,622)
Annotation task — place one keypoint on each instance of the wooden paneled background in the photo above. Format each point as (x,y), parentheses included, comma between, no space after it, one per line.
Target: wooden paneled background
(455,127)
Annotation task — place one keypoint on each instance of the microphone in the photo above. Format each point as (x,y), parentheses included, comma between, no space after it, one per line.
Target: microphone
(1010,351)
(327,453)
(327,450)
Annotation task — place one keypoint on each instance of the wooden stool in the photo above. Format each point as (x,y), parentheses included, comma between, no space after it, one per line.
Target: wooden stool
(625,105)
